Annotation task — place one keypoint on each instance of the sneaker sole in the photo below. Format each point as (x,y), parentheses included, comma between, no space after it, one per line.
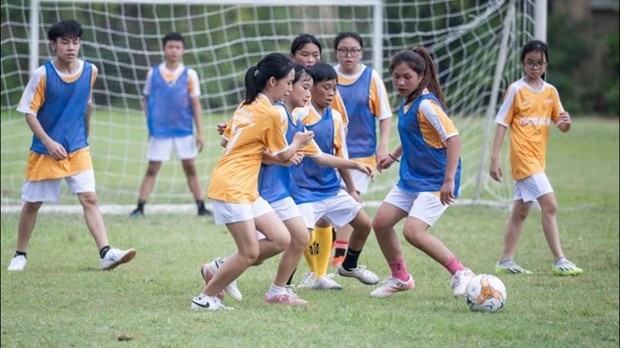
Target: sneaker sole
(567,274)
(505,271)
(354,277)
(131,253)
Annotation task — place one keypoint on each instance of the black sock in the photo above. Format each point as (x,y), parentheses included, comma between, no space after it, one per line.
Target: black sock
(339,252)
(290,279)
(200,204)
(141,204)
(350,261)
(104,251)
(18,253)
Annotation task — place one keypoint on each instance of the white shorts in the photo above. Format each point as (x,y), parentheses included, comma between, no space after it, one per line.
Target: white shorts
(285,208)
(339,210)
(532,187)
(49,190)
(360,179)
(424,206)
(228,213)
(160,148)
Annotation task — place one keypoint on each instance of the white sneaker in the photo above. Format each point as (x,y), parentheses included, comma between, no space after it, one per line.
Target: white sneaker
(204,302)
(231,289)
(459,281)
(325,283)
(307,282)
(391,286)
(360,273)
(18,263)
(115,257)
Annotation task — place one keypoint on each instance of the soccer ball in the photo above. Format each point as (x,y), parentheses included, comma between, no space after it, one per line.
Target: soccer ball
(485,293)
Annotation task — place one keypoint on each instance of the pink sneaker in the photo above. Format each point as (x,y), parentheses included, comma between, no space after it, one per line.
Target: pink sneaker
(391,286)
(285,298)
(207,276)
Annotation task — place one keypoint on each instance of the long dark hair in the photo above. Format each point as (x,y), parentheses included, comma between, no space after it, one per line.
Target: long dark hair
(275,65)
(420,61)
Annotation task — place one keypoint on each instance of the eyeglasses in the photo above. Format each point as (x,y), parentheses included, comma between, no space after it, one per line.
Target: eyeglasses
(534,65)
(351,52)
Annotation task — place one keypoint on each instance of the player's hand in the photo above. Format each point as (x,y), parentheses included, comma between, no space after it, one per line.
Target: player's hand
(368,170)
(302,138)
(384,163)
(200,142)
(446,195)
(564,121)
(221,127)
(381,154)
(295,160)
(56,150)
(356,196)
(496,171)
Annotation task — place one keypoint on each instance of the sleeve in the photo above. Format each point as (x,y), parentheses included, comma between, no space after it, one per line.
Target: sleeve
(557,105)
(506,111)
(338,105)
(437,118)
(34,95)
(194,83)
(275,132)
(379,101)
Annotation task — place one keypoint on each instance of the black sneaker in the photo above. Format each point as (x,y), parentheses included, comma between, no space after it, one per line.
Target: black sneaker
(137,213)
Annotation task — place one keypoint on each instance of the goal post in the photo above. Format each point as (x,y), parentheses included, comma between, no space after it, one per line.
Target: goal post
(475,45)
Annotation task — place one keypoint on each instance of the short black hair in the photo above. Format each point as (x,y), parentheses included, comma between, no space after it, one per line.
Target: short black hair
(322,72)
(69,28)
(173,37)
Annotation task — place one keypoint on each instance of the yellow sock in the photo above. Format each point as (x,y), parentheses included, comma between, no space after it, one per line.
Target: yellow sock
(310,252)
(324,241)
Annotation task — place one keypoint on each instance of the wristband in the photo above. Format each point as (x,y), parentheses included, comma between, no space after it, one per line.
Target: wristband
(394,158)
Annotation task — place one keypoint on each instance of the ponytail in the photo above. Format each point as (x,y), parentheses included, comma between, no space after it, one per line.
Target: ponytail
(275,65)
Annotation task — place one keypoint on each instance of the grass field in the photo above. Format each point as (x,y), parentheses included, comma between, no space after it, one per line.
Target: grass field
(63,300)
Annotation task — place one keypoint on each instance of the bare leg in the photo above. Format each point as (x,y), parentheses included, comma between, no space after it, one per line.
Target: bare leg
(93,218)
(416,233)
(361,230)
(193,182)
(148,183)
(549,207)
(386,218)
(27,221)
(514,226)
(292,255)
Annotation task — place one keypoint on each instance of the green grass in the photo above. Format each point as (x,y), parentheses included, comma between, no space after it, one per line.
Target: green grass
(62,300)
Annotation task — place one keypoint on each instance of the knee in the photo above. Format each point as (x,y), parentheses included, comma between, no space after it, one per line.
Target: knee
(282,241)
(413,237)
(380,226)
(87,198)
(32,207)
(300,240)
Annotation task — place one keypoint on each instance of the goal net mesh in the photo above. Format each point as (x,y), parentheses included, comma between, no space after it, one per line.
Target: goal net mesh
(476,47)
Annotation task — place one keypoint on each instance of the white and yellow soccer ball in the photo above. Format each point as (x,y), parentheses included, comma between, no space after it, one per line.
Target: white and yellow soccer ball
(485,293)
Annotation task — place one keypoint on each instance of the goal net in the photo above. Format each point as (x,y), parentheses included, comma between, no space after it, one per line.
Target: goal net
(475,44)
